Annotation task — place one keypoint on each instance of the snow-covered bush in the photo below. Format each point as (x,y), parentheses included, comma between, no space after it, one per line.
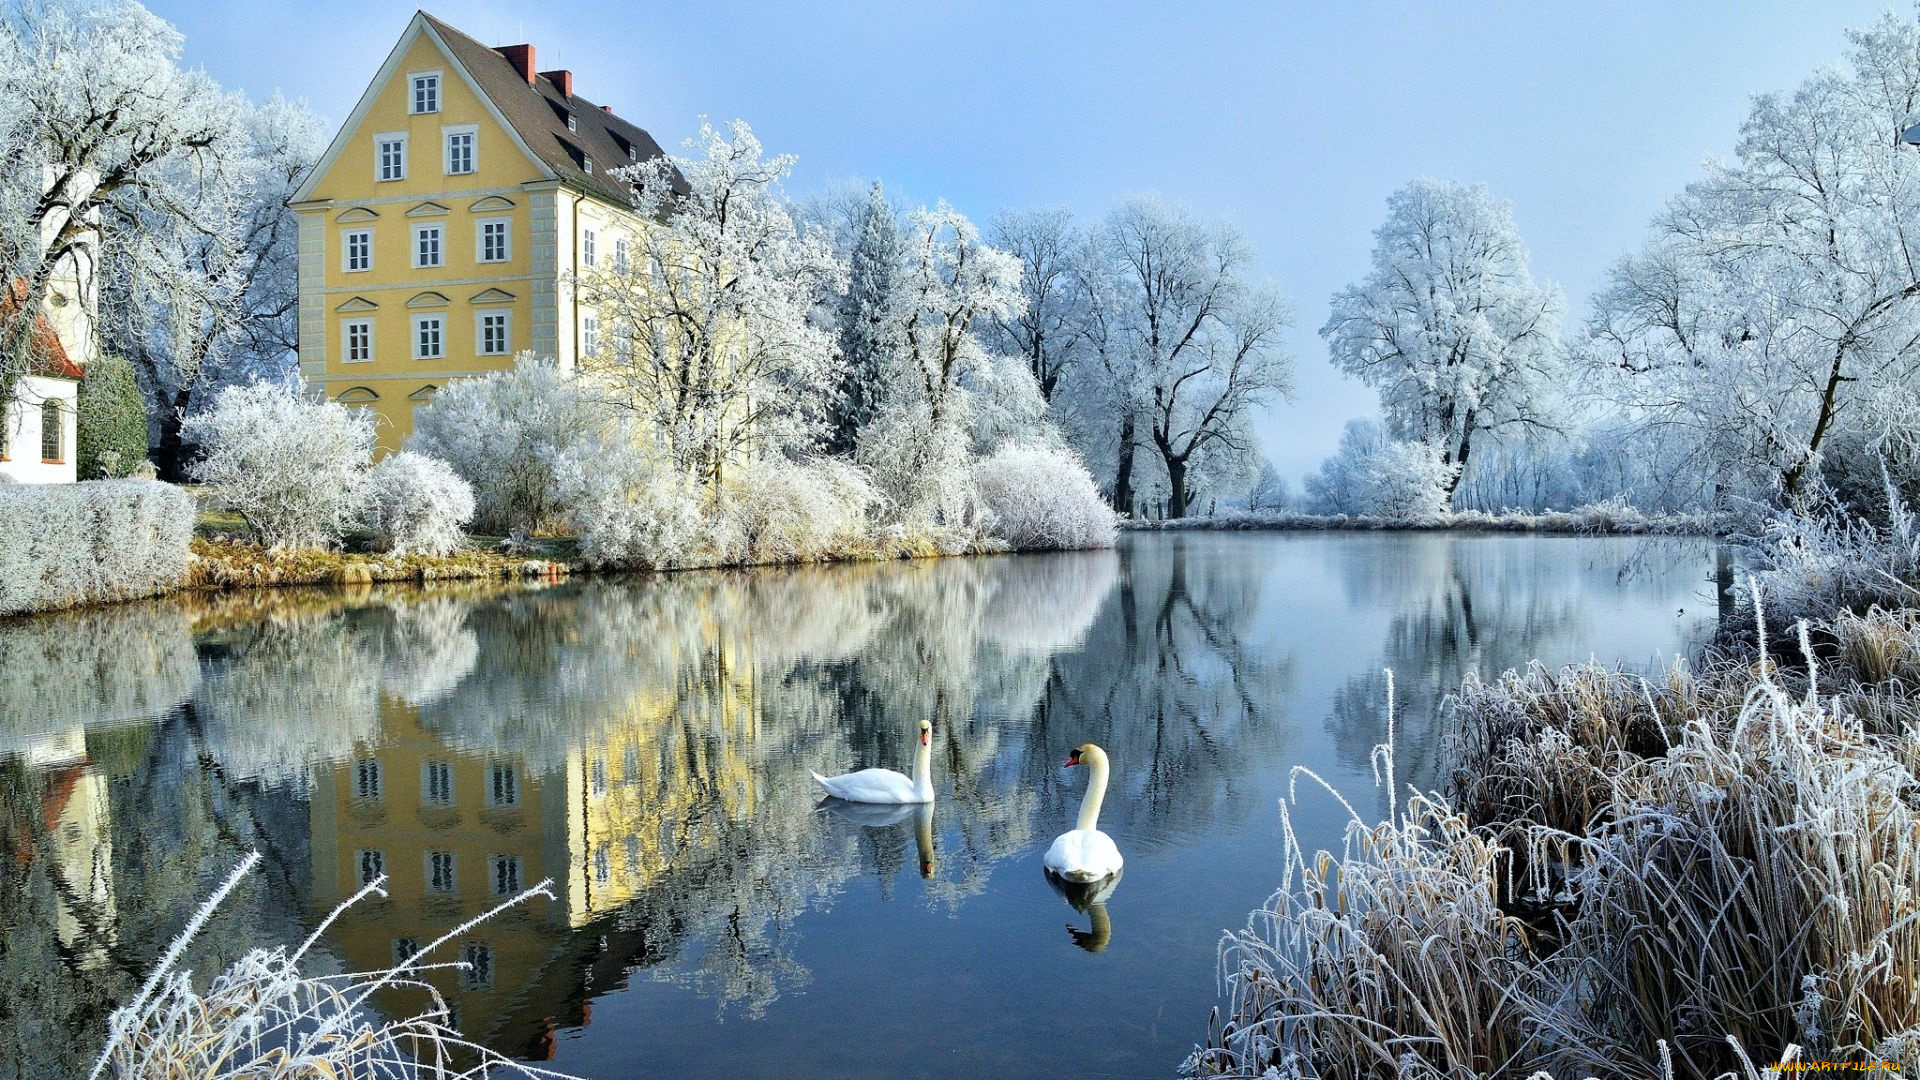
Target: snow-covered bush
(67,544)
(787,511)
(505,434)
(419,505)
(629,509)
(295,469)
(1374,475)
(1041,496)
(924,475)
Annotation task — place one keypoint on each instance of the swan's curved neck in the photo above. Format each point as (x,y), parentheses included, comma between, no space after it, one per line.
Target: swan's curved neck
(923,769)
(923,837)
(1096,760)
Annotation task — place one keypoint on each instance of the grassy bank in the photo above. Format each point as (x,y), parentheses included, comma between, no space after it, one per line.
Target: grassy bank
(1598,520)
(1696,874)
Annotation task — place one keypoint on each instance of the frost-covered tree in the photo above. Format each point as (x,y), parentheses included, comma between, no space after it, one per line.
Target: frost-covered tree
(1778,296)
(860,321)
(1045,332)
(941,377)
(201,274)
(95,111)
(295,469)
(1449,325)
(1374,474)
(1187,346)
(1040,495)
(1270,491)
(506,433)
(705,334)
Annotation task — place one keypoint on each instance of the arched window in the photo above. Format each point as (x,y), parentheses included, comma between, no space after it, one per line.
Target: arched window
(53,433)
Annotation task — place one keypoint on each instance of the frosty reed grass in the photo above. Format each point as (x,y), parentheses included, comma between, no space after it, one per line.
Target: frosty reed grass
(1628,878)
(262,1019)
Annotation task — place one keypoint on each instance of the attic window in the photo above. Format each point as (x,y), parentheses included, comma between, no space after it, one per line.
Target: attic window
(586,163)
(571,126)
(633,153)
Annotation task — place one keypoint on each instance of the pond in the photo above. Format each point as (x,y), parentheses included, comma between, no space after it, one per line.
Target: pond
(645,745)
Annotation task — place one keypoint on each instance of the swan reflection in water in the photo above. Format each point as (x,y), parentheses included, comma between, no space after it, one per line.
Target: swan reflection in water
(881,815)
(1089,897)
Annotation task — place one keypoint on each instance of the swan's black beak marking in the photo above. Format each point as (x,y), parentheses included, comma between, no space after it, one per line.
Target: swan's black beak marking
(1072,760)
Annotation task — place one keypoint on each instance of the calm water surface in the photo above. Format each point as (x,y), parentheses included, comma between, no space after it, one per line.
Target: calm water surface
(644,744)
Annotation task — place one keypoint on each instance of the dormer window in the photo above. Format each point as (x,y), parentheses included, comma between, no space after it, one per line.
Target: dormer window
(571,124)
(586,163)
(426,92)
(633,153)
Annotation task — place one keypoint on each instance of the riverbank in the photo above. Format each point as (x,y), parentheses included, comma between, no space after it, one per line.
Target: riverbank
(1695,874)
(1599,520)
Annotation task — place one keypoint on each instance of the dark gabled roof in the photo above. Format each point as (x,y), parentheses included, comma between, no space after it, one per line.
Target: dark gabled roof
(46,358)
(539,111)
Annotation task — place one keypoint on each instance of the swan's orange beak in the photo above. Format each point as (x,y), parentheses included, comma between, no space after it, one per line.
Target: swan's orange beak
(1072,760)
(926,738)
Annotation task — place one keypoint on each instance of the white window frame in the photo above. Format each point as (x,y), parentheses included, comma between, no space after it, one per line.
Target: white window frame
(503,784)
(448,133)
(347,327)
(368,864)
(480,226)
(439,231)
(589,248)
(622,254)
(347,237)
(368,781)
(589,334)
(506,875)
(430,772)
(414,79)
(380,143)
(443,872)
(439,321)
(480,319)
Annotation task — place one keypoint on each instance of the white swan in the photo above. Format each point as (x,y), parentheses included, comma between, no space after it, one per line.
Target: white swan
(885,785)
(1086,853)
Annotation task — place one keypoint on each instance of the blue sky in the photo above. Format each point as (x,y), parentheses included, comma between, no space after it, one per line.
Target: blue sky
(1293,121)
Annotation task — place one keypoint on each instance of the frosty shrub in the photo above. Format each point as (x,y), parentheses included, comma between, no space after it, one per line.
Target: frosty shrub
(629,509)
(293,468)
(505,434)
(1040,496)
(62,545)
(419,505)
(93,666)
(786,511)
(1374,475)
(924,474)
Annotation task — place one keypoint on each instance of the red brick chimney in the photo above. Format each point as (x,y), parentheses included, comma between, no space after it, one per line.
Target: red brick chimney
(521,57)
(561,79)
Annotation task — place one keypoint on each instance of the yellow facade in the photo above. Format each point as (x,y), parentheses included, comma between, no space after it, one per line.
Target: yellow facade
(400,292)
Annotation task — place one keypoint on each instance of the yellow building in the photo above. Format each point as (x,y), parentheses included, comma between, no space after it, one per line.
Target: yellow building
(439,231)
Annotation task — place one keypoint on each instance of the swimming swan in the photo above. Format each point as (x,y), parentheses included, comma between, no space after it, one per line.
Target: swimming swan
(885,785)
(1086,853)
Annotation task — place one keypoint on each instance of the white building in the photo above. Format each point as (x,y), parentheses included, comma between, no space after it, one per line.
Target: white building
(37,443)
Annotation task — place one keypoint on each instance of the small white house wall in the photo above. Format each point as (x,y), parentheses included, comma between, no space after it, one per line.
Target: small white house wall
(23,462)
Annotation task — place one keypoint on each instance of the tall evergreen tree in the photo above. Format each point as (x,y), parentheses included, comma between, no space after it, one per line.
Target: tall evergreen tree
(863,333)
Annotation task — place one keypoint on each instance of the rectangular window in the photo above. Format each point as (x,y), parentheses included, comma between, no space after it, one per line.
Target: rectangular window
(390,157)
(623,344)
(356,250)
(440,871)
(495,245)
(460,150)
(356,341)
(53,431)
(589,334)
(373,864)
(588,248)
(620,255)
(426,92)
(404,949)
(476,967)
(437,788)
(602,865)
(597,777)
(428,334)
(426,245)
(366,778)
(503,786)
(506,875)
(494,333)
